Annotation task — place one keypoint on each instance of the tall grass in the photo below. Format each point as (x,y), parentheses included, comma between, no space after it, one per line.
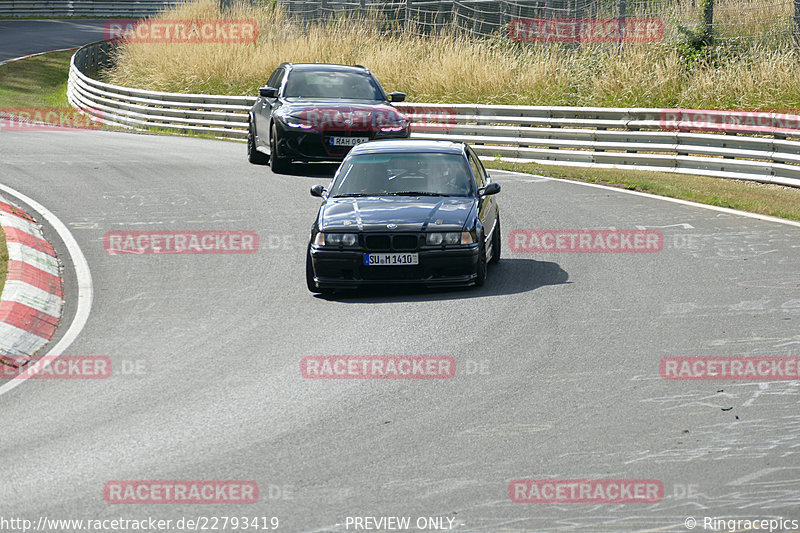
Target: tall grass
(453,67)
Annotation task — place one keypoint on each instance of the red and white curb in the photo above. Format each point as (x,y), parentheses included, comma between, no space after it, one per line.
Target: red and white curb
(32,297)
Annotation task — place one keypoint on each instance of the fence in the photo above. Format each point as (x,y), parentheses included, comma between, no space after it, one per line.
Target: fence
(600,137)
(84,8)
(768,21)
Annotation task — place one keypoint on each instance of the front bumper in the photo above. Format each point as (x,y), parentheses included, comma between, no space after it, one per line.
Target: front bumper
(456,267)
(314,146)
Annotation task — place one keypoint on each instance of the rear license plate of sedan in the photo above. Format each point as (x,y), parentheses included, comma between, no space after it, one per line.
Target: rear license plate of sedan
(348,141)
(391,259)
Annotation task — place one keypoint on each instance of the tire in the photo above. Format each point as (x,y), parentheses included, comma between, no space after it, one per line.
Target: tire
(312,285)
(496,243)
(278,164)
(480,277)
(254,156)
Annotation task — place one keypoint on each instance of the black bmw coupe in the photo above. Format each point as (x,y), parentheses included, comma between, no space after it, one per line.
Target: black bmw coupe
(405,211)
(318,112)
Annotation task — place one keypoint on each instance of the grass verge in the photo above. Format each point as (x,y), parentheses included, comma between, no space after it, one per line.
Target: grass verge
(39,81)
(765,199)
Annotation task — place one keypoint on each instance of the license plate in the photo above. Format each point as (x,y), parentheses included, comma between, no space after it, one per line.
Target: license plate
(348,141)
(391,259)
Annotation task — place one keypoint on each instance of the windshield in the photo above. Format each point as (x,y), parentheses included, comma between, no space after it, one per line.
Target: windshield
(332,84)
(422,174)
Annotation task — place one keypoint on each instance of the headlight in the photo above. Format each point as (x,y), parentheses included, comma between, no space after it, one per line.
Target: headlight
(399,124)
(452,238)
(435,238)
(295,122)
(336,239)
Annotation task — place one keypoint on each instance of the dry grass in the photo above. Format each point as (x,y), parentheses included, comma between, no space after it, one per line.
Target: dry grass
(457,68)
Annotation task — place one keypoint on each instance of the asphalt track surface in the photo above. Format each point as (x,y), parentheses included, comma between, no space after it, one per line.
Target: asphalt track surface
(23,37)
(567,348)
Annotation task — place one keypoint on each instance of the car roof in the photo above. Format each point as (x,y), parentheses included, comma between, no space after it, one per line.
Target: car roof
(409,146)
(328,67)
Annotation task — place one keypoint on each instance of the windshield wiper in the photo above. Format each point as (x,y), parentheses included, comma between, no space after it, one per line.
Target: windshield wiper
(354,194)
(417,193)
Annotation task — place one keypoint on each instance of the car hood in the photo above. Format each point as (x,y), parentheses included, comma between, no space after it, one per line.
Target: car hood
(333,113)
(408,213)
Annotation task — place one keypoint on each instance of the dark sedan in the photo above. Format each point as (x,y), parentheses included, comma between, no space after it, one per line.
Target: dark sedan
(408,211)
(318,112)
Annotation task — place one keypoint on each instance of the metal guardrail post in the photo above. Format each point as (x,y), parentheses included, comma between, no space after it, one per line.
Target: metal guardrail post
(708,21)
(622,8)
(796,25)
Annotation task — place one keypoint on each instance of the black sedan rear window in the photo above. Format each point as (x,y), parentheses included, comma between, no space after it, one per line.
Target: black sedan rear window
(425,174)
(327,84)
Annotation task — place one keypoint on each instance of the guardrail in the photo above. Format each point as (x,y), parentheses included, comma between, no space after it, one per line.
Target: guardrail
(589,137)
(84,8)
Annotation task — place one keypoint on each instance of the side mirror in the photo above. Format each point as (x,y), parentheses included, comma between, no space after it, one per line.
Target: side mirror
(318,190)
(268,92)
(397,97)
(492,188)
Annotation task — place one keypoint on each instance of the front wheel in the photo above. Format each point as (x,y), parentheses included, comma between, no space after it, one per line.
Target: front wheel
(480,277)
(278,164)
(496,242)
(253,155)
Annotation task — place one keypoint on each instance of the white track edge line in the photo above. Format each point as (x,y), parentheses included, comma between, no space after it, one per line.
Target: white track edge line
(20,58)
(727,210)
(85,288)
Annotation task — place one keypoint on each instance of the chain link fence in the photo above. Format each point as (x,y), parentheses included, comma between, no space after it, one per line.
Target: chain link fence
(771,22)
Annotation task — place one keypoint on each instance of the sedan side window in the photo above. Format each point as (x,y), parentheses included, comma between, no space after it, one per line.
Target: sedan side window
(477,170)
(275,79)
